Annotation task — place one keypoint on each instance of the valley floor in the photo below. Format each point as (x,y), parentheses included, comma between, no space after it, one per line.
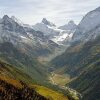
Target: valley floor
(61,81)
(58,79)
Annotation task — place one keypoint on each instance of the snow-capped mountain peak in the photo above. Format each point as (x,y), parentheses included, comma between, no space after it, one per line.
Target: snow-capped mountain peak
(54,33)
(71,22)
(17,20)
(70,26)
(5,17)
(20,22)
(46,22)
(47,27)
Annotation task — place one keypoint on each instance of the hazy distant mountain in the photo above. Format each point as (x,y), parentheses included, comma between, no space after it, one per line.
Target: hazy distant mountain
(46,22)
(47,27)
(59,36)
(20,35)
(66,36)
(70,26)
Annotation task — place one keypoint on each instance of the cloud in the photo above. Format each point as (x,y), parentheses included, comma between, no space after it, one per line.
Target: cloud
(58,11)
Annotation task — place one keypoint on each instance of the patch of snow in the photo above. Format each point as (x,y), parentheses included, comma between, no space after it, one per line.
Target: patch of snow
(23,37)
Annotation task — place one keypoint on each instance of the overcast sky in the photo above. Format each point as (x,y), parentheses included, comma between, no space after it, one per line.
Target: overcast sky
(57,11)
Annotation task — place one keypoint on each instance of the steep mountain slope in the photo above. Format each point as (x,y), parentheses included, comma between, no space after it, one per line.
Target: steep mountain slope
(33,42)
(82,62)
(89,27)
(8,72)
(23,61)
(15,84)
(88,82)
(78,56)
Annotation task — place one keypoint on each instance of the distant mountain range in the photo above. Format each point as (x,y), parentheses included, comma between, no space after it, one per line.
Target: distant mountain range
(57,34)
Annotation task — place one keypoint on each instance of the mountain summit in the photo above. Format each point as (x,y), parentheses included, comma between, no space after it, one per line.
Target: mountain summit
(45,21)
(16,20)
(5,17)
(70,26)
(47,27)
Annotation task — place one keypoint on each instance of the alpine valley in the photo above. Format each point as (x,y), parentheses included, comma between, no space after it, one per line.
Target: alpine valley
(47,62)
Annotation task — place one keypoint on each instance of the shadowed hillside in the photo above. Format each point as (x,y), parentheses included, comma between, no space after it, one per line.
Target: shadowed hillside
(82,63)
(88,83)
(22,61)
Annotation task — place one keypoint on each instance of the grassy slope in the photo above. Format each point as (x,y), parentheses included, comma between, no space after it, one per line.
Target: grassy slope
(22,61)
(11,75)
(88,83)
(49,93)
(78,57)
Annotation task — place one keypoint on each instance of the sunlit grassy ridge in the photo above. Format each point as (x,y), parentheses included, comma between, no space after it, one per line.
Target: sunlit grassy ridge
(50,94)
